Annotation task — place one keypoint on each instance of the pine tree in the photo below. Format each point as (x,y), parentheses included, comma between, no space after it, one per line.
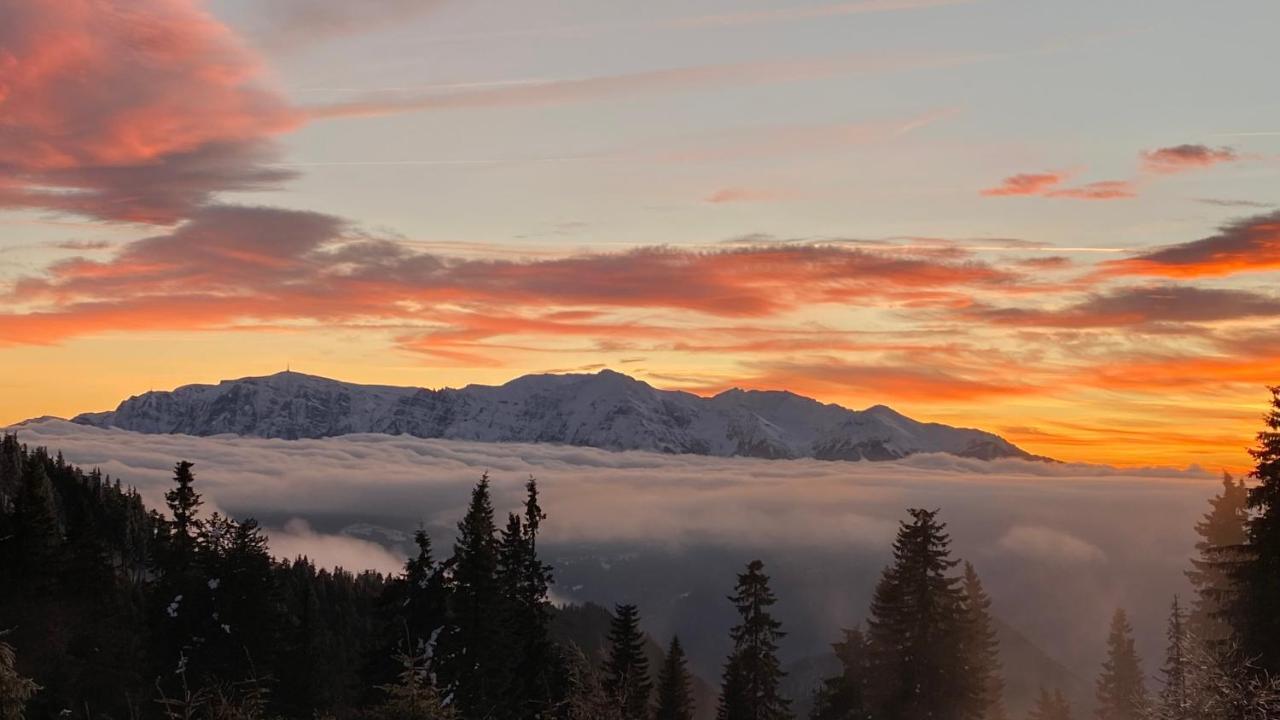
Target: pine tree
(843,696)
(626,670)
(1051,706)
(15,690)
(983,649)
(179,591)
(424,601)
(675,693)
(917,631)
(753,674)
(525,581)
(1222,537)
(586,698)
(184,506)
(470,658)
(1174,700)
(240,592)
(412,696)
(37,538)
(411,611)
(1122,693)
(1253,615)
(735,702)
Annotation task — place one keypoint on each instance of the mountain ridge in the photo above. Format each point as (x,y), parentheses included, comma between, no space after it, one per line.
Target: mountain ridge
(607,410)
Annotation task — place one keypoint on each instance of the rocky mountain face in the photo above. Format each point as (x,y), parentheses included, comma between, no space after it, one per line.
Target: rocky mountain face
(605,410)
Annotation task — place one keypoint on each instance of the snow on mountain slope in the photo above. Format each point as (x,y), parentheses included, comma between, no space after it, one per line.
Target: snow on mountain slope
(606,410)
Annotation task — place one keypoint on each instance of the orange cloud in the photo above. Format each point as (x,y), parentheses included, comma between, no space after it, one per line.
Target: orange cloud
(1048,184)
(1187,372)
(1025,184)
(1180,158)
(1165,161)
(1248,245)
(315,269)
(130,111)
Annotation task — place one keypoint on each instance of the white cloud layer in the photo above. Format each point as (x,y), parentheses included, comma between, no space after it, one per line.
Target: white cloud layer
(297,538)
(1122,536)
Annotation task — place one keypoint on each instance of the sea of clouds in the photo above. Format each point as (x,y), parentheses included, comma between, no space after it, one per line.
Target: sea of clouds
(1058,545)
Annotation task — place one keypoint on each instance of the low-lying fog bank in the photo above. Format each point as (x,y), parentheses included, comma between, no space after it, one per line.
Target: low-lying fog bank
(1058,546)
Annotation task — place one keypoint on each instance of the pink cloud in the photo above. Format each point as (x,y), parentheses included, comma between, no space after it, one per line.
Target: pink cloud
(216,267)
(1025,184)
(1180,158)
(130,111)
(1049,185)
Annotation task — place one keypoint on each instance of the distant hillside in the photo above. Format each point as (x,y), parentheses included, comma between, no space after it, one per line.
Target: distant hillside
(605,410)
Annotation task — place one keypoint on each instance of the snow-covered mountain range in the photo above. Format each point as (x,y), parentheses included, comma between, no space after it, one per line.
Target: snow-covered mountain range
(605,410)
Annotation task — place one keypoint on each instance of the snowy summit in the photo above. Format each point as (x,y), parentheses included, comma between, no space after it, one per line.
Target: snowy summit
(606,410)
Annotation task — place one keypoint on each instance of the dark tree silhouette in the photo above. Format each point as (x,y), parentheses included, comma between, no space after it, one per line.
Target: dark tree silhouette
(1253,610)
(918,631)
(524,581)
(674,690)
(1175,702)
(1220,548)
(626,670)
(37,538)
(1121,691)
(983,650)
(750,690)
(184,507)
(843,696)
(470,656)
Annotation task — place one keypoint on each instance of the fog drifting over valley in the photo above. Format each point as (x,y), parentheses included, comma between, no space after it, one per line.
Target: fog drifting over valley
(1058,546)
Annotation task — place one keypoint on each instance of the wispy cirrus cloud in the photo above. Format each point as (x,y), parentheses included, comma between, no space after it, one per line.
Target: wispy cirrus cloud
(1226,202)
(285,25)
(1049,185)
(1233,357)
(1138,306)
(1101,190)
(745,195)
(537,92)
(729,19)
(810,12)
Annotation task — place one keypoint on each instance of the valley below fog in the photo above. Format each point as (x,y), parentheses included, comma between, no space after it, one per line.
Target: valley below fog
(1060,546)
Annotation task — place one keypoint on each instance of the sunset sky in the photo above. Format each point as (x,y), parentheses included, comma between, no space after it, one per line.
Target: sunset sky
(1053,220)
